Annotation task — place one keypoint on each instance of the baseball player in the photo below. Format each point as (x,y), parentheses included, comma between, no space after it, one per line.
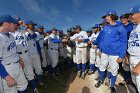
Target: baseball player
(114,42)
(126,68)
(73,45)
(53,45)
(47,52)
(81,40)
(40,38)
(94,58)
(134,47)
(89,33)
(14,80)
(22,49)
(34,50)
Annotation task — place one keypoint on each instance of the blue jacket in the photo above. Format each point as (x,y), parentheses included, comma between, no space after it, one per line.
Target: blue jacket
(113,40)
(129,28)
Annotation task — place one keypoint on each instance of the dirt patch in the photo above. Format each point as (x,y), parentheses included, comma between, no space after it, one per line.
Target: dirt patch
(78,85)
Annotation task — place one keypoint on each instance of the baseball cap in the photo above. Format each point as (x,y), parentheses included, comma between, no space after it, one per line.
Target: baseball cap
(125,15)
(54,29)
(16,18)
(135,9)
(77,27)
(103,21)
(96,26)
(112,12)
(7,18)
(40,26)
(27,22)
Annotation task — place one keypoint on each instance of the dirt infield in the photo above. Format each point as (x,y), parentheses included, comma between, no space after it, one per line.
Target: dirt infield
(78,85)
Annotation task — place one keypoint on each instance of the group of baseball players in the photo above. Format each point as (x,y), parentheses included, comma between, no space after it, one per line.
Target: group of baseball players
(27,53)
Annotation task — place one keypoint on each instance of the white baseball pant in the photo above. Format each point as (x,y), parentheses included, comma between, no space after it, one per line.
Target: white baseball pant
(44,63)
(28,68)
(109,60)
(36,63)
(53,57)
(16,72)
(134,60)
(81,55)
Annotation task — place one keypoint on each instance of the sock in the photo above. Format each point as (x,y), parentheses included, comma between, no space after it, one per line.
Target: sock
(83,67)
(101,75)
(39,78)
(108,75)
(113,80)
(92,66)
(33,84)
(98,71)
(78,67)
(127,75)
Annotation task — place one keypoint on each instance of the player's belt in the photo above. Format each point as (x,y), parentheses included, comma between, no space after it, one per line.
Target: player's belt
(53,49)
(81,47)
(12,63)
(22,52)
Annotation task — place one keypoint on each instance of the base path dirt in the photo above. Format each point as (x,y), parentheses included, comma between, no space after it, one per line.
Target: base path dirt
(78,85)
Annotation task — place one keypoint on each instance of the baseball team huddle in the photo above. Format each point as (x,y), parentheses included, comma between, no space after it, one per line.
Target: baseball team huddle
(28,54)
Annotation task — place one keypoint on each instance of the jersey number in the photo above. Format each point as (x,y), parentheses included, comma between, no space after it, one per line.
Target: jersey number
(24,43)
(135,43)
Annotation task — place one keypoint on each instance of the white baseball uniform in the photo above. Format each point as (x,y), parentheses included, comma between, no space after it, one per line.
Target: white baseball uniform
(73,48)
(94,58)
(22,49)
(41,42)
(134,51)
(33,54)
(47,52)
(53,50)
(10,60)
(81,50)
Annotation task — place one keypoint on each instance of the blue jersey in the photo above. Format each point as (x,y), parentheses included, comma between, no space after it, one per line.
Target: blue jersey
(113,40)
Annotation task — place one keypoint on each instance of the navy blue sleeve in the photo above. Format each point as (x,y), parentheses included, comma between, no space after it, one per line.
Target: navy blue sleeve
(56,40)
(38,48)
(32,36)
(3,72)
(86,40)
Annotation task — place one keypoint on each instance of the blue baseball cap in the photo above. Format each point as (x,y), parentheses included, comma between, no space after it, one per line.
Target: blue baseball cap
(103,21)
(124,15)
(16,18)
(8,18)
(135,9)
(40,26)
(77,27)
(27,22)
(96,26)
(112,12)
(54,29)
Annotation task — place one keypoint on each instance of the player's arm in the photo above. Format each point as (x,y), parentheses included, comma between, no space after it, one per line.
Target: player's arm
(136,69)
(3,73)
(57,40)
(85,39)
(123,44)
(99,38)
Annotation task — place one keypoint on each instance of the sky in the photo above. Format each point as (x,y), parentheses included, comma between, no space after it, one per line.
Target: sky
(63,14)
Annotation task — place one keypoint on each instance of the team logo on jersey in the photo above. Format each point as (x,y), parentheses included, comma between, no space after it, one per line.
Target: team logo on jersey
(11,46)
(109,31)
(80,36)
(19,37)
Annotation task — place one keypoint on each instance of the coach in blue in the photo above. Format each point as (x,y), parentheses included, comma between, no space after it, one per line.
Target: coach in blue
(114,46)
